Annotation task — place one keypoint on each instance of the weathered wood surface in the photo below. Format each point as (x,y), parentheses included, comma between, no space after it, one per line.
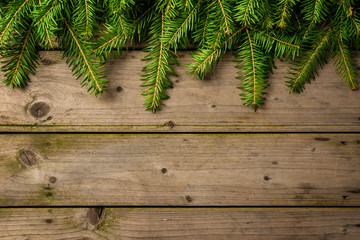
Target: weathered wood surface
(184,224)
(55,102)
(180,169)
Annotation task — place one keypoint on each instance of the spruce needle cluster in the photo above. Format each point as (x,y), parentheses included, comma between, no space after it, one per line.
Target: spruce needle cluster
(257,32)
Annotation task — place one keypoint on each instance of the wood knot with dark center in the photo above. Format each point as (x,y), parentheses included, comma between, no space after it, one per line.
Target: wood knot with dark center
(39,109)
(27,158)
(52,179)
(119,88)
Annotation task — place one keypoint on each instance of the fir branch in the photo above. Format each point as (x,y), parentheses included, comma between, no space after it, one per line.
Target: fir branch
(246,13)
(111,40)
(199,35)
(306,66)
(48,43)
(255,67)
(10,23)
(120,5)
(286,7)
(345,5)
(142,23)
(176,33)
(160,59)
(170,7)
(84,17)
(268,23)
(21,59)
(314,11)
(225,17)
(356,23)
(278,44)
(142,15)
(79,56)
(217,32)
(346,64)
(249,12)
(253,70)
(206,58)
(218,35)
(298,21)
(119,30)
(46,15)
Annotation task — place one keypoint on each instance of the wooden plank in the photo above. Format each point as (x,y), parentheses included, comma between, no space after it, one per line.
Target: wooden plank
(195,106)
(180,169)
(185,224)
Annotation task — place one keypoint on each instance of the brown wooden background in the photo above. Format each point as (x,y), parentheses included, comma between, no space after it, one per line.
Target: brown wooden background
(73,166)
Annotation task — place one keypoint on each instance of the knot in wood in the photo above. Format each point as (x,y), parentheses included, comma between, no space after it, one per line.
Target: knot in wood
(95,215)
(118,88)
(170,124)
(39,109)
(188,198)
(27,158)
(52,179)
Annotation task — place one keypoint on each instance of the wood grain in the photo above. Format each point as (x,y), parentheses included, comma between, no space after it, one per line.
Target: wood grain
(184,224)
(179,169)
(195,106)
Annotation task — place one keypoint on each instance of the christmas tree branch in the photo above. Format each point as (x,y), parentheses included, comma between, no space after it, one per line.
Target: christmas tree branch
(21,59)
(79,56)
(225,17)
(160,59)
(307,67)
(286,7)
(9,23)
(205,58)
(185,25)
(274,38)
(345,65)
(254,72)
(253,69)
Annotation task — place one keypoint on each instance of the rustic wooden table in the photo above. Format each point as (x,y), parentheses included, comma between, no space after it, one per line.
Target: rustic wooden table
(73,166)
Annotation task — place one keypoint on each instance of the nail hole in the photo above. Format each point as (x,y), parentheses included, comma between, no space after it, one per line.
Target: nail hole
(163,170)
(346,197)
(48,220)
(188,198)
(266,178)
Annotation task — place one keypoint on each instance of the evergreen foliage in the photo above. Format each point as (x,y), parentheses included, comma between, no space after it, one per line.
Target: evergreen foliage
(258,32)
